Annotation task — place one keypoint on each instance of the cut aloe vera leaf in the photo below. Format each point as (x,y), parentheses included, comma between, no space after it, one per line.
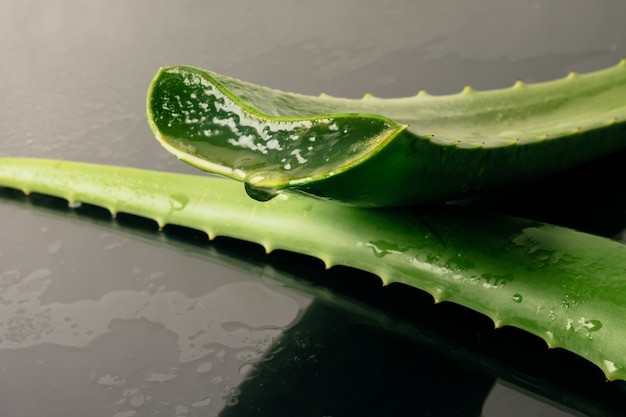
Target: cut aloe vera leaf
(386,152)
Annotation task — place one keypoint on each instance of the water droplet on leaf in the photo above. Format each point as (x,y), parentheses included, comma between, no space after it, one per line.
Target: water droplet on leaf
(178,201)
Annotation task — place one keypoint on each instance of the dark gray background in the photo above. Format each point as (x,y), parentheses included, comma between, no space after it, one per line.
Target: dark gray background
(101,320)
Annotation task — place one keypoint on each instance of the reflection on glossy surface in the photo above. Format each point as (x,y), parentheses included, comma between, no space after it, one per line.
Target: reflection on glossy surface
(355,366)
(142,344)
(234,315)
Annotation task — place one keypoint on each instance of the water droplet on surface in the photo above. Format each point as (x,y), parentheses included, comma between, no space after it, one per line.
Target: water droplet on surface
(110,380)
(160,377)
(517,298)
(245,369)
(232,401)
(55,247)
(591,325)
(382,248)
(588,326)
(204,367)
(9,277)
(233,397)
(246,355)
(178,201)
(181,410)
(611,366)
(202,403)
(137,400)
(130,413)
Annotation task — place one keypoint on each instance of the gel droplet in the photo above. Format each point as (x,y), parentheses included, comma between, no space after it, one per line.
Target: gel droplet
(260,193)
(263,185)
(517,298)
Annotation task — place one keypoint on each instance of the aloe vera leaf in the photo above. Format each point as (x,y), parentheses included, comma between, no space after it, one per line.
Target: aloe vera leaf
(385,152)
(564,286)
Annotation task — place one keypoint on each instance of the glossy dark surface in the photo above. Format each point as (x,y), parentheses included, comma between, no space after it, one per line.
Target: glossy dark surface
(106,318)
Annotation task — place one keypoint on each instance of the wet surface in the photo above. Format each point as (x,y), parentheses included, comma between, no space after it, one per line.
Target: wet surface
(113,318)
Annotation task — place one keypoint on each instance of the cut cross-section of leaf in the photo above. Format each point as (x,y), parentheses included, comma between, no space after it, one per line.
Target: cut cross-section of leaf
(200,122)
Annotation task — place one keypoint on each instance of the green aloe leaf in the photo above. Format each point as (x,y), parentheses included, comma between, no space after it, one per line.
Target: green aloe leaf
(386,152)
(567,287)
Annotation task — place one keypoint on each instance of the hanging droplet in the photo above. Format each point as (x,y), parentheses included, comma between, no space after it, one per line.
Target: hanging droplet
(260,193)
